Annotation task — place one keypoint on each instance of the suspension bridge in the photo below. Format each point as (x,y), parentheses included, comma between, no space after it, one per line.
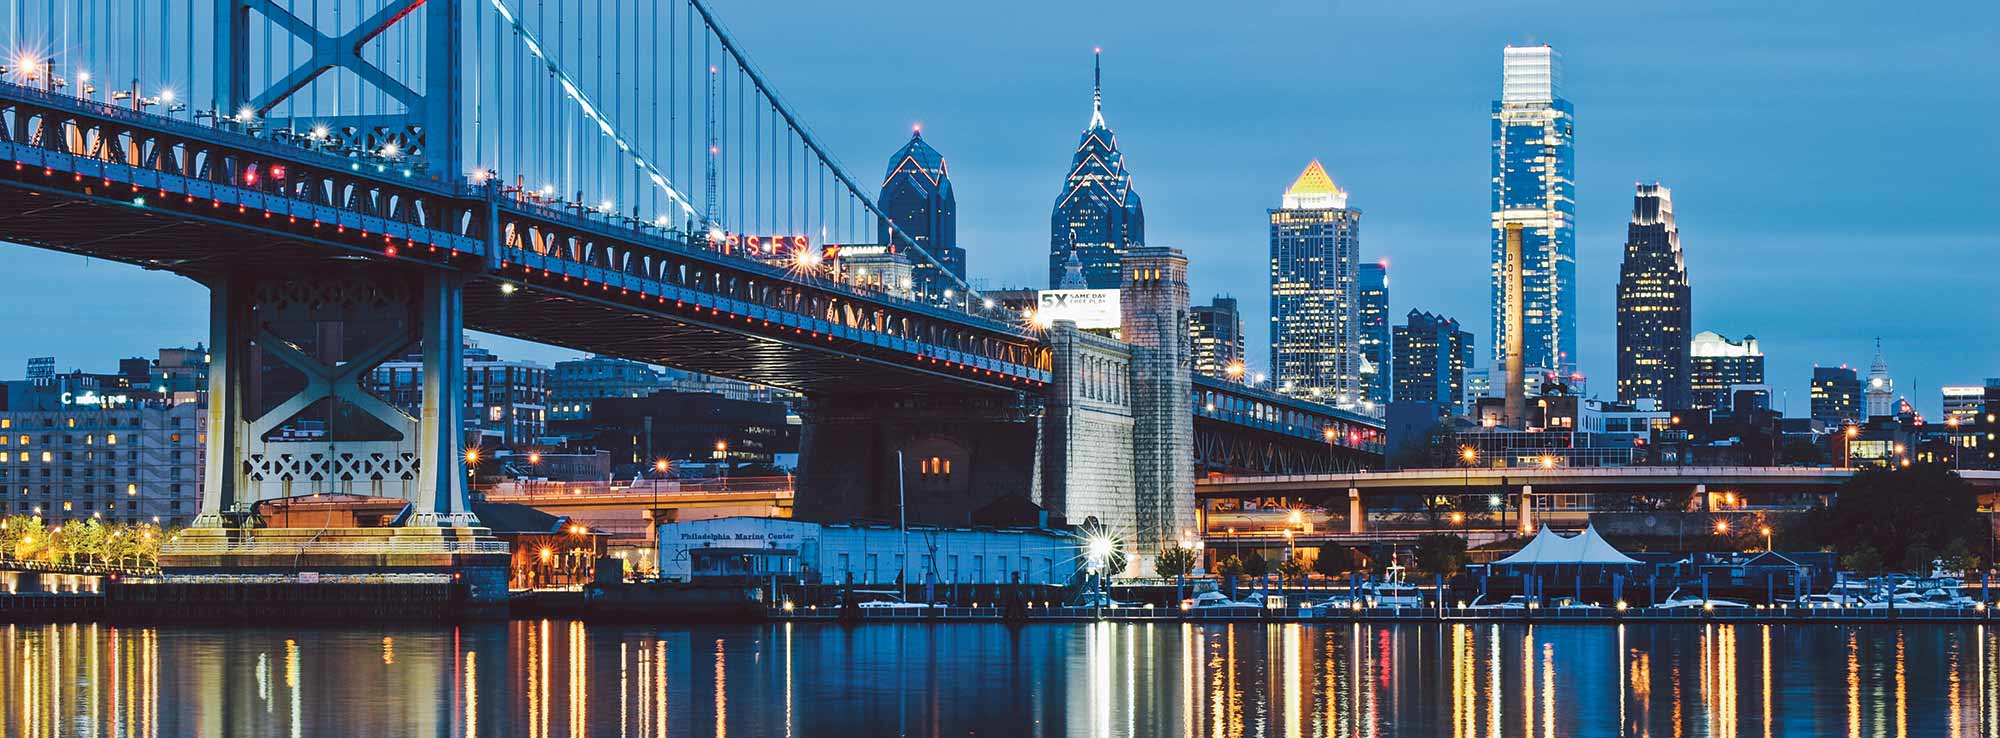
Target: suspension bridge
(354,178)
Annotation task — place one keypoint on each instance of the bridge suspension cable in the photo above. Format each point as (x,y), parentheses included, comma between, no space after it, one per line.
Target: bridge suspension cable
(619,111)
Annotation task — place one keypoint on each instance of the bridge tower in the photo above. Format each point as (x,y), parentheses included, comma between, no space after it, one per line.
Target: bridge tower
(288,416)
(419,124)
(1154,308)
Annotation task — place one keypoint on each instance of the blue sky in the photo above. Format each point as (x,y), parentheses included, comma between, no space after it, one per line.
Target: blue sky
(1832,162)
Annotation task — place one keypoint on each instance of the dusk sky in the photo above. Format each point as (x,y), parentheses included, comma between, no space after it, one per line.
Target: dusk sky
(1832,163)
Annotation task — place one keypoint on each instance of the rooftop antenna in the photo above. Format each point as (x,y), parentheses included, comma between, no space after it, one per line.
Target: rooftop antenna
(1097,87)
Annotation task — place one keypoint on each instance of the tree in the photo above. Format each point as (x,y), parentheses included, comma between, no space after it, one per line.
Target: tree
(21,537)
(1803,453)
(1291,570)
(1229,568)
(1333,560)
(1894,511)
(15,529)
(1436,506)
(1254,565)
(1919,557)
(1863,560)
(1959,557)
(1174,561)
(1441,553)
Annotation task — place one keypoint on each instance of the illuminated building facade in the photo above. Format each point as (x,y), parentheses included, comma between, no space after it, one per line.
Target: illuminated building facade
(1963,404)
(1836,395)
(1315,331)
(1881,391)
(917,195)
(1215,333)
(1098,217)
(1534,184)
(1374,336)
(122,448)
(1431,357)
(1715,364)
(1653,305)
(506,401)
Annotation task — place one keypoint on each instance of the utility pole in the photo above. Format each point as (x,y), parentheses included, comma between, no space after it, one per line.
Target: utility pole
(903,515)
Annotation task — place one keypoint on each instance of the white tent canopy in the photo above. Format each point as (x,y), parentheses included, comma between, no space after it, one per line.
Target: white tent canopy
(1551,548)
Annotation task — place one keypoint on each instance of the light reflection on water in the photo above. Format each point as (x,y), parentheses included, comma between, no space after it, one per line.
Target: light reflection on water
(560,679)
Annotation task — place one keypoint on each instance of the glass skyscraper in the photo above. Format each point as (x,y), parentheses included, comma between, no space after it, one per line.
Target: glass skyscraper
(1432,355)
(1098,216)
(1374,332)
(917,195)
(1315,242)
(1836,395)
(1534,184)
(1653,305)
(1215,333)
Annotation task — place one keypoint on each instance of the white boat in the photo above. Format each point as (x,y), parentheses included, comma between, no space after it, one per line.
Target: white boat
(1097,599)
(1392,591)
(1675,601)
(879,600)
(1517,602)
(1336,602)
(1210,601)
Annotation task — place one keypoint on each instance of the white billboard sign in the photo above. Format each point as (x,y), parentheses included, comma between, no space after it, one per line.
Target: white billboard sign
(1090,309)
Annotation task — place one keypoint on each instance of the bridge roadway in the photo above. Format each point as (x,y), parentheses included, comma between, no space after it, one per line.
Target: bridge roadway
(1252,510)
(1616,479)
(109,182)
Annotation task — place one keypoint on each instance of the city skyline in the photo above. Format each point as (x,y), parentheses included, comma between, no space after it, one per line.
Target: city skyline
(1195,138)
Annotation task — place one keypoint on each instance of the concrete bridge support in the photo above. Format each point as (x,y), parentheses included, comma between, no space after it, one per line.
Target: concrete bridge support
(965,459)
(314,429)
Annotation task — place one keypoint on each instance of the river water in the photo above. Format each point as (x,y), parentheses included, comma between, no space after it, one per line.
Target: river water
(565,679)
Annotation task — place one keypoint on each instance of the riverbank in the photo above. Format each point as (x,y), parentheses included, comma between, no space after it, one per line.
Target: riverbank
(1565,615)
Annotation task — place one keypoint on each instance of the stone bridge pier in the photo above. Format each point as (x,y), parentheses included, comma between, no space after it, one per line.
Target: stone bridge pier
(958,459)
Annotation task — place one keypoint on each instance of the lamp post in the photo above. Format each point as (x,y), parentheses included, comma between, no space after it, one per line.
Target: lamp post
(1098,556)
(1766,530)
(1847,448)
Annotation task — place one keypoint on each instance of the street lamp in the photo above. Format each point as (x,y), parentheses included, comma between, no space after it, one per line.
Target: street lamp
(1098,555)
(1721,527)
(1766,530)
(1847,449)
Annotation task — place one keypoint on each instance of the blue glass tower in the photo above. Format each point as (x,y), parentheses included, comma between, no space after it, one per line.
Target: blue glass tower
(1098,215)
(917,195)
(1534,184)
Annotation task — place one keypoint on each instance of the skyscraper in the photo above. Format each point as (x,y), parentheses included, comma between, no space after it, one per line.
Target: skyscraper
(1431,358)
(1653,305)
(1534,173)
(1315,242)
(1836,395)
(917,195)
(1963,403)
(1881,392)
(1716,363)
(1215,331)
(1374,332)
(1098,216)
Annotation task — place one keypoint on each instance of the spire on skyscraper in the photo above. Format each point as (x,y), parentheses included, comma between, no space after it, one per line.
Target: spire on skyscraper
(1098,216)
(1097,87)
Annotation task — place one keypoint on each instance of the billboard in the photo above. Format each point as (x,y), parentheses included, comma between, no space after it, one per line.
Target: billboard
(1091,309)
